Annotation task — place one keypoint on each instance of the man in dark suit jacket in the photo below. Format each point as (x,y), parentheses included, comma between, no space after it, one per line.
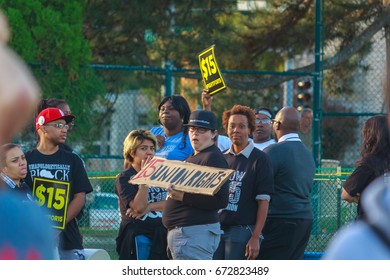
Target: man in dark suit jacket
(288,225)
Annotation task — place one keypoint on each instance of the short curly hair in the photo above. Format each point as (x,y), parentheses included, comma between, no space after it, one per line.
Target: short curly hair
(240,110)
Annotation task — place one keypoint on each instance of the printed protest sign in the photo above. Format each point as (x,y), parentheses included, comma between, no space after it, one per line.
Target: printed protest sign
(211,76)
(54,196)
(186,177)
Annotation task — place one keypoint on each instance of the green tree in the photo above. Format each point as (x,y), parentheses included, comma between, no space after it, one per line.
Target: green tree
(49,35)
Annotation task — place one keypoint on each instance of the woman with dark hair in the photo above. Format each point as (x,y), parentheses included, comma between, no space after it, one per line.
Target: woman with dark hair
(250,188)
(172,135)
(13,169)
(140,205)
(56,103)
(374,161)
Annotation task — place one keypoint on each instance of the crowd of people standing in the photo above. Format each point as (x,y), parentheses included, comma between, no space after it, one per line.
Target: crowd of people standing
(248,218)
(262,212)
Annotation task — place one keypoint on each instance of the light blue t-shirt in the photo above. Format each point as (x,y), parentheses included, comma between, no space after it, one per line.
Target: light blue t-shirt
(173,148)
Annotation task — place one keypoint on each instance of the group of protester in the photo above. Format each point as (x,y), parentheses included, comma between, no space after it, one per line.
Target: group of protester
(232,224)
(54,162)
(262,212)
(228,225)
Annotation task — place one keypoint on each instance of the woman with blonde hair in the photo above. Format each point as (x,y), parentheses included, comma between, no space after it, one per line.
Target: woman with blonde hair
(140,205)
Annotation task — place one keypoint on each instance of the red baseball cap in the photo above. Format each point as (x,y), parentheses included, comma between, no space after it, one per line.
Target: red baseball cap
(49,115)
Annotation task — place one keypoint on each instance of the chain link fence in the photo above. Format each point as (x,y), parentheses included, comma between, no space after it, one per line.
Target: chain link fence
(132,95)
(100,222)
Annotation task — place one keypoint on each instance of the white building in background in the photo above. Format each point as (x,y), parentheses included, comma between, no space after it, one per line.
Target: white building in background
(368,89)
(131,111)
(248,5)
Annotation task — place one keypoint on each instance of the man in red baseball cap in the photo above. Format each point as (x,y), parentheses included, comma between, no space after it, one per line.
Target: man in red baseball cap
(58,180)
(50,115)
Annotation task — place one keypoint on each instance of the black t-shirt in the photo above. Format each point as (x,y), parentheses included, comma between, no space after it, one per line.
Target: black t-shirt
(252,178)
(198,209)
(126,193)
(357,182)
(65,167)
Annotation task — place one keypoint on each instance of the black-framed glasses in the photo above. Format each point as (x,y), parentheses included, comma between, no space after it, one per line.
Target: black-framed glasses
(58,125)
(200,130)
(263,121)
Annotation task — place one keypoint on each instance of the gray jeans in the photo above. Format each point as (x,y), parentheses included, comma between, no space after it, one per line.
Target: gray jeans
(194,242)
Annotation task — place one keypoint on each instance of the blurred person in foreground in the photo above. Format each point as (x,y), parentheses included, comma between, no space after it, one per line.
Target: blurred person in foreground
(374,161)
(368,238)
(172,135)
(140,206)
(192,219)
(19,92)
(25,230)
(289,221)
(262,135)
(58,168)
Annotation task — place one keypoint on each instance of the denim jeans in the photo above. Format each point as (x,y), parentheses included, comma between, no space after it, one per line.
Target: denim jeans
(233,242)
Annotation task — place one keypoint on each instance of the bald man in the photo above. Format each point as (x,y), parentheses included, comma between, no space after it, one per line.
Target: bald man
(288,225)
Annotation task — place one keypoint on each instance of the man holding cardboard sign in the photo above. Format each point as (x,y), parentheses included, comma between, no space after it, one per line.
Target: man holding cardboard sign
(192,219)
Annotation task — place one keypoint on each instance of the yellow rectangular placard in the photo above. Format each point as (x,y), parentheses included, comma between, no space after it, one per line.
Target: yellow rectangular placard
(211,76)
(185,176)
(53,195)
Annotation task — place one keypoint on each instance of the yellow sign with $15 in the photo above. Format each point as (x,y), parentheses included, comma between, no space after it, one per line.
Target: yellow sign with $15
(211,76)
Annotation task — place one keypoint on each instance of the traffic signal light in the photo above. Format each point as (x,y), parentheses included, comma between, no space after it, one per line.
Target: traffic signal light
(303,95)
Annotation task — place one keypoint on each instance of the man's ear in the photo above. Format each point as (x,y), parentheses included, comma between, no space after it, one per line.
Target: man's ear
(214,135)
(278,124)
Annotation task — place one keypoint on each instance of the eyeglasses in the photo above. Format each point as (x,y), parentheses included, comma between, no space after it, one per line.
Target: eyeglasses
(58,125)
(275,121)
(200,130)
(263,121)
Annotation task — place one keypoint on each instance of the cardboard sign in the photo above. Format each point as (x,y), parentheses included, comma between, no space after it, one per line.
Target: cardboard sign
(211,76)
(54,196)
(186,177)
